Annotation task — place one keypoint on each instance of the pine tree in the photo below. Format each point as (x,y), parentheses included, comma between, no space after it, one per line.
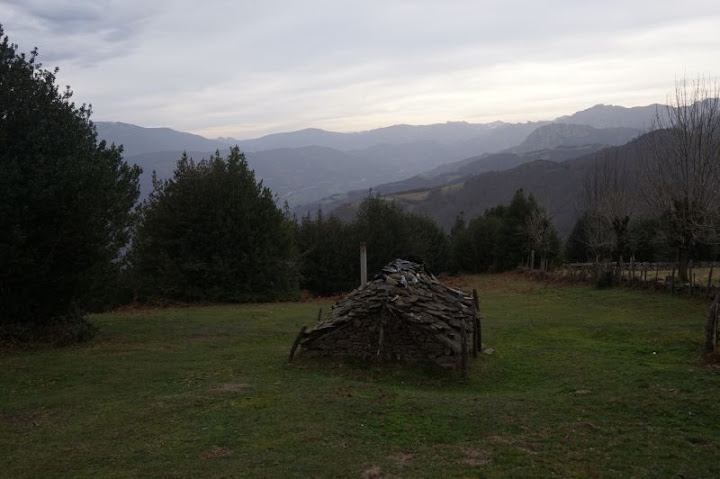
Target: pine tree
(66,206)
(213,233)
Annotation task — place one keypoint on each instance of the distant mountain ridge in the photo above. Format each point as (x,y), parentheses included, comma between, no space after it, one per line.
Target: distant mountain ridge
(613,116)
(307,165)
(449,133)
(554,142)
(568,134)
(137,140)
(293,175)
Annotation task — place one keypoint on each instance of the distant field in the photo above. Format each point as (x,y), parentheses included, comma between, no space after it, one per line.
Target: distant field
(413,195)
(453,187)
(583,383)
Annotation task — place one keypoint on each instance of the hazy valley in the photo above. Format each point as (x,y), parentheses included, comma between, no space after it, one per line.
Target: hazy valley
(439,170)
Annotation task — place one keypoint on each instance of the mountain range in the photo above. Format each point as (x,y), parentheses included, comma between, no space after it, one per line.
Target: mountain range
(307,165)
(315,168)
(557,184)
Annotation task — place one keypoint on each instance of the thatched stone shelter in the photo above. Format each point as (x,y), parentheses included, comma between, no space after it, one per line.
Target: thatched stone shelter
(404,314)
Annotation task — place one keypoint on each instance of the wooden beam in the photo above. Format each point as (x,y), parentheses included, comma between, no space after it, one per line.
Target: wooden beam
(295,345)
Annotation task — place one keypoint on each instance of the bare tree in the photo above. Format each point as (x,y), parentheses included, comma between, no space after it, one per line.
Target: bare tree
(541,235)
(609,205)
(683,166)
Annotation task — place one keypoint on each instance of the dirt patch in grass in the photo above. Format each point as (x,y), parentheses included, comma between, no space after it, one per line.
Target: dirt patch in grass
(373,473)
(216,452)
(30,419)
(476,457)
(510,281)
(462,282)
(402,459)
(712,360)
(520,445)
(384,398)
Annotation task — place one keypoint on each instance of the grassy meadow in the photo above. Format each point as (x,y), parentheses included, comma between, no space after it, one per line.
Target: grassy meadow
(583,383)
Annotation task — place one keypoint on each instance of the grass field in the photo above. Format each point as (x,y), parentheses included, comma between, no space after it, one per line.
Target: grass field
(583,383)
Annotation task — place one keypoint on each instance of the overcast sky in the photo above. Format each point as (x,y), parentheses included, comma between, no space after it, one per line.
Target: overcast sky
(250,67)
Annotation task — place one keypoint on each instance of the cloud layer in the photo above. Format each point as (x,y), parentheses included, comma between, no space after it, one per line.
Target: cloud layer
(226,68)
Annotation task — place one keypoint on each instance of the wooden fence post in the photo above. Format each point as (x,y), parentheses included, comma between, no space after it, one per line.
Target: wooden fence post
(363,264)
(690,277)
(692,284)
(672,280)
(478,322)
(381,341)
(474,329)
(711,326)
(709,282)
(295,345)
(464,357)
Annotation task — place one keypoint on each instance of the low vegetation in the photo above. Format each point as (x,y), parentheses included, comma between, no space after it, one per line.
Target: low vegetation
(582,382)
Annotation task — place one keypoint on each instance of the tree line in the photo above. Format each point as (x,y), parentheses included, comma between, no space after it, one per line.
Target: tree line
(73,237)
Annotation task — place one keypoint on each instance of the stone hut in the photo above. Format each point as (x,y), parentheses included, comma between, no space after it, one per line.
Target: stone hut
(403,314)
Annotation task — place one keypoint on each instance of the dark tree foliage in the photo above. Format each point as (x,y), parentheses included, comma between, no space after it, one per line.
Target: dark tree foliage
(504,237)
(212,233)
(329,255)
(474,243)
(576,245)
(66,204)
(646,242)
(512,247)
(330,249)
(643,238)
(391,232)
(459,244)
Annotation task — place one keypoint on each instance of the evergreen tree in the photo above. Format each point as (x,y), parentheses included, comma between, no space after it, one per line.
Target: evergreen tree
(576,245)
(329,255)
(391,232)
(513,244)
(474,245)
(213,233)
(646,243)
(459,245)
(66,204)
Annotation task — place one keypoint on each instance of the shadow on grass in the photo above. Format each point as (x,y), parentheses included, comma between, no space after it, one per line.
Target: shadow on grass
(425,374)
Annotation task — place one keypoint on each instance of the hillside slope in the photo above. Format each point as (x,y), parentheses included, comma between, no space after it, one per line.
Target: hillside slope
(557,185)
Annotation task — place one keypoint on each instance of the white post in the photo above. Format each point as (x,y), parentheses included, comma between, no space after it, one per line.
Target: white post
(363,264)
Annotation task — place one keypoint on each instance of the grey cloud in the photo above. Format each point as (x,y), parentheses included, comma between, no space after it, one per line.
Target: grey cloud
(61,15)
(196,65)
(84,31)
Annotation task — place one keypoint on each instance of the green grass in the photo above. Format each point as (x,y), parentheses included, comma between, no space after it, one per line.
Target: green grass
(583,383)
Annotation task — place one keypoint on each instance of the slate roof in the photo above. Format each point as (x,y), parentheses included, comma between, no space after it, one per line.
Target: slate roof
(406,291)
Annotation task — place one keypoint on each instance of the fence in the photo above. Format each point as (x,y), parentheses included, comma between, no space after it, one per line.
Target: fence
(658,276)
